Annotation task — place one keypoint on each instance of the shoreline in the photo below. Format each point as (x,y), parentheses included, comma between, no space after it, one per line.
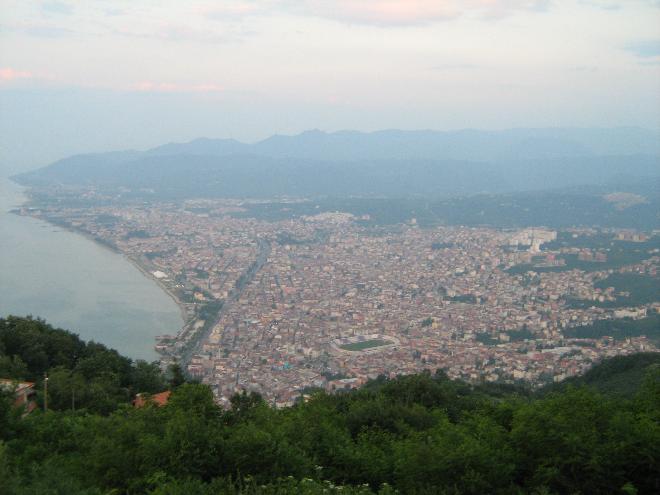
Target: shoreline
(144,271)
(182,309)
(183,313)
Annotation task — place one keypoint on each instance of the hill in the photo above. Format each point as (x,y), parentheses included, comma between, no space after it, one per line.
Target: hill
(419,434)
(468,144)
(87,374)
(385,164)
(619,376)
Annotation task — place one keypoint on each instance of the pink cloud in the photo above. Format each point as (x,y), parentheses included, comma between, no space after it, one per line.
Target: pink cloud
(375,12)
(149,86)
(161,87)
(8,74)
(410,12)
(207,88)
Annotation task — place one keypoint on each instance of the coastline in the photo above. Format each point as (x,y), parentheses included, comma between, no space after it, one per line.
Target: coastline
(182,309)
(183,313)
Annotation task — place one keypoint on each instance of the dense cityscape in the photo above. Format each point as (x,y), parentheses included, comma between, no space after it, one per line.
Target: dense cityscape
(375,247)
(331,300)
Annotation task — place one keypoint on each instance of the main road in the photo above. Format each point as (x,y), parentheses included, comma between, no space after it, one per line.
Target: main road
(194,345)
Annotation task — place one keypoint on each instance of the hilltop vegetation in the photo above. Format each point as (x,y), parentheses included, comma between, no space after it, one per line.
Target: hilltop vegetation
(420,434)
(87,374)
(620,375)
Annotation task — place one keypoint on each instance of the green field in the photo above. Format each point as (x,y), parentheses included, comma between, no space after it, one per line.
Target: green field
(367,344)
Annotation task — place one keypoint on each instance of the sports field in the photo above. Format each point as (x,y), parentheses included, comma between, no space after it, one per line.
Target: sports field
(366,344)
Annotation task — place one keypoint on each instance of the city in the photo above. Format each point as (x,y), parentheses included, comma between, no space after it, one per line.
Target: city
(329,301)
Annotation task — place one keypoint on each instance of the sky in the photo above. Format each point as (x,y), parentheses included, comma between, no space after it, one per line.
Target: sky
(95,75)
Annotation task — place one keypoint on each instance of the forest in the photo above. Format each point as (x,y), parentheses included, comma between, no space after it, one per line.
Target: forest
(417,434)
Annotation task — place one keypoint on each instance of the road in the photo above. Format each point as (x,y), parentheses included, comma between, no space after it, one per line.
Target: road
(196,341)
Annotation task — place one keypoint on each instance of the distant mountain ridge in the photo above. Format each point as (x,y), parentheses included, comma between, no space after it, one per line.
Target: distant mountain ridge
(383,163)
(468,145)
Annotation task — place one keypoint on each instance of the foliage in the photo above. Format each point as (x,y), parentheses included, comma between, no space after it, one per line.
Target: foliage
(639,290)
(80,375)
(418,434)
(618,329)
(620,376)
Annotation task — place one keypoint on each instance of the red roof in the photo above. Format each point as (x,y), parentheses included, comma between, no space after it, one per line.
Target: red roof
(159,399)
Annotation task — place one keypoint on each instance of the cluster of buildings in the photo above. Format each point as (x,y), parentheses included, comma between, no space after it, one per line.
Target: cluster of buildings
(285,293)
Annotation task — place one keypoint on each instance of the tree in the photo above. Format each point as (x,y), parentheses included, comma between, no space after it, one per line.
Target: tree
(243,405)
(146,377)
(176,376)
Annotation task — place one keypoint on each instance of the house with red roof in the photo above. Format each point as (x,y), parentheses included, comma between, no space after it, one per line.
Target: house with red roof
(24,393)
(159,399)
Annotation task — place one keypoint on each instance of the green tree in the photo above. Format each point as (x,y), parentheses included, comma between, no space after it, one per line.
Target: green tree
(175,374)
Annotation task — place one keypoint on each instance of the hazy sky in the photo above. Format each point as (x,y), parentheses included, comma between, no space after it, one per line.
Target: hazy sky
(96,75)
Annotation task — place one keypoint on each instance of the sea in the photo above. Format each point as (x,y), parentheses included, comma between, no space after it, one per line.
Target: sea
(76,284)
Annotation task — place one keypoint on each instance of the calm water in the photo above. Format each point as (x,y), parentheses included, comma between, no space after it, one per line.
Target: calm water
(76,284)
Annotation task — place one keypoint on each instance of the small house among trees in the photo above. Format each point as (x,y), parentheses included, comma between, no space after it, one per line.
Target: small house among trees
(24,393)
(160,399)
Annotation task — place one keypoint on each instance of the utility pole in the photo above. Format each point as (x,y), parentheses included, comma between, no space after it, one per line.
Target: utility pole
(45,392)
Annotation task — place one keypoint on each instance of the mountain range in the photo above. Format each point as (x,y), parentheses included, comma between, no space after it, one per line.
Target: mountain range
(388,163)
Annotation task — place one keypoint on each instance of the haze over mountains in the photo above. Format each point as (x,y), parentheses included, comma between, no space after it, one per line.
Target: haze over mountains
(387,163)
